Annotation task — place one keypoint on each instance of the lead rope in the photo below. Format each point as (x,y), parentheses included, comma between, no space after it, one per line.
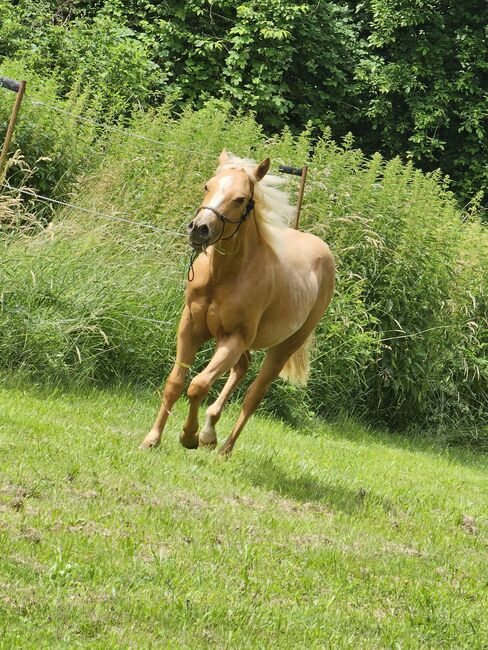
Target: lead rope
(191,270)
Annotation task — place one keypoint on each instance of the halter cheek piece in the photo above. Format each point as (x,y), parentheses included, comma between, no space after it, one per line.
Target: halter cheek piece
(225,220)
(238,223)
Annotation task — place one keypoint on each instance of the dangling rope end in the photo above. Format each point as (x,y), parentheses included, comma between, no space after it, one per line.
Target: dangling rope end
(191,270)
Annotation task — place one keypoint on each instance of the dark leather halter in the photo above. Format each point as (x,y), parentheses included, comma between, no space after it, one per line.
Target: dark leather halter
(224,219)
(238,223)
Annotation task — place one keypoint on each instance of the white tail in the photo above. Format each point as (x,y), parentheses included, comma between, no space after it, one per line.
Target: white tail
(297,368)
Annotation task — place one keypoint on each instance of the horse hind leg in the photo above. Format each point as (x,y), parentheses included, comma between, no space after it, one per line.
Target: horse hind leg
(275,362)
(271,368)
(278,359)
(208,435)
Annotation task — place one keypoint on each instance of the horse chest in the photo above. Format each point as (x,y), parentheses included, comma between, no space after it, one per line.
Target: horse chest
(224,317)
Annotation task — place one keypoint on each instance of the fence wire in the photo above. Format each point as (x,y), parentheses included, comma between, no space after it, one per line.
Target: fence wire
(97,213)
(124,132)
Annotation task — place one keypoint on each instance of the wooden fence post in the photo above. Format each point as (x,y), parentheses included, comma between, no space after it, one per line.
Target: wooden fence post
(300,194)
(19,88)
(302,172)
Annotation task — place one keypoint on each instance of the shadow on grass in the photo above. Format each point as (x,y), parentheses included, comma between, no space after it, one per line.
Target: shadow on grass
(473,453)
(347,428)
(266,473)
(340,428)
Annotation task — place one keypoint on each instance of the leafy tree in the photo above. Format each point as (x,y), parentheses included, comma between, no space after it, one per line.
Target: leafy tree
(101,54)
(407,78)
(290,62)
(426,85)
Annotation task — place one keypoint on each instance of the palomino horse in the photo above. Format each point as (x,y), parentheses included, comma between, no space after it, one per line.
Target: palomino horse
(257,284)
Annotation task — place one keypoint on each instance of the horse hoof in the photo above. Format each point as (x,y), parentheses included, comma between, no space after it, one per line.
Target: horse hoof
(151,441)
(189,442)
(225,451)
(211,444)
(207,437)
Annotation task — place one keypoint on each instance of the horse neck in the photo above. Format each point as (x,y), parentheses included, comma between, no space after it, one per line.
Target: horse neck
(230,255)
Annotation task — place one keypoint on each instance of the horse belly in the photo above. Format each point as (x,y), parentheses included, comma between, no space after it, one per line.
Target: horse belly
(287,313)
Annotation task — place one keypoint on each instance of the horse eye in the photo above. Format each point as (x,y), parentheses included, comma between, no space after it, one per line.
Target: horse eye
(205,187)
(240,199)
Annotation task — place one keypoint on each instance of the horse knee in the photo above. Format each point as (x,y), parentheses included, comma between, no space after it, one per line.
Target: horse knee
(198,388)
(173,389)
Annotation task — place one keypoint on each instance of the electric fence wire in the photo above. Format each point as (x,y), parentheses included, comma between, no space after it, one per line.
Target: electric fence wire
(127,132)
(97,213)
(124,132)
(114,129)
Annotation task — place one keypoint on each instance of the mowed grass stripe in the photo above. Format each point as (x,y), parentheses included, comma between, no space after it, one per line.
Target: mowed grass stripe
(333,536)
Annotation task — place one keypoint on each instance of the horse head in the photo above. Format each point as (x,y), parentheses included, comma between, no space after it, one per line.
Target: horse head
(227,203)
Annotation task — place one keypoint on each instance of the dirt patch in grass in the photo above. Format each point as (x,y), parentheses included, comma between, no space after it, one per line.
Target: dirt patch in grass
(299,507)
(402,549)
(243,501)
(469,525)
(311,541)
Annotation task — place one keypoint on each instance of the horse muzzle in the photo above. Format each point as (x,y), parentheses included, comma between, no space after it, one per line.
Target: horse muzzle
(198,235)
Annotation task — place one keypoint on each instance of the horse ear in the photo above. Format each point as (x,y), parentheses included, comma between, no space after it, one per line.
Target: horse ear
(262,169)
(224,157)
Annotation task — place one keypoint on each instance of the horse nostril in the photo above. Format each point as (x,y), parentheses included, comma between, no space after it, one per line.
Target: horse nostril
(190,225)
(203,231)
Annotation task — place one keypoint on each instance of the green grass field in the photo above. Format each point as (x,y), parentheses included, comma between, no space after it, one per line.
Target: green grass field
(330,536)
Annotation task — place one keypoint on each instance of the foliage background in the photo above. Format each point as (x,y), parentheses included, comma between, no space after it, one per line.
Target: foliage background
(407,79)
(83,300)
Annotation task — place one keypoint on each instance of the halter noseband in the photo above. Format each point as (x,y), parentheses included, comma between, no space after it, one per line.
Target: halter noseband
(224,219)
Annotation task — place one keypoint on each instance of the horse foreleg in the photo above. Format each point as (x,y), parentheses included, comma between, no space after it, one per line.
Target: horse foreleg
(208,435)
(172,391)
(189,341)
(227,354)
(271,368)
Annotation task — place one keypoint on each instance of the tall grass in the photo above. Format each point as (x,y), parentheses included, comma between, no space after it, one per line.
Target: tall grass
(56,146)
(399,236)
(404,341)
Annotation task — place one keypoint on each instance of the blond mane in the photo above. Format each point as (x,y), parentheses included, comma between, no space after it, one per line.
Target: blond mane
(272,205)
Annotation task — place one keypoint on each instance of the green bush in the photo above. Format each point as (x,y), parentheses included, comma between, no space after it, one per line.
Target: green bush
(405,339)
(400,237)
(423,86)
(54,145)
(100,55)
(407,78)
